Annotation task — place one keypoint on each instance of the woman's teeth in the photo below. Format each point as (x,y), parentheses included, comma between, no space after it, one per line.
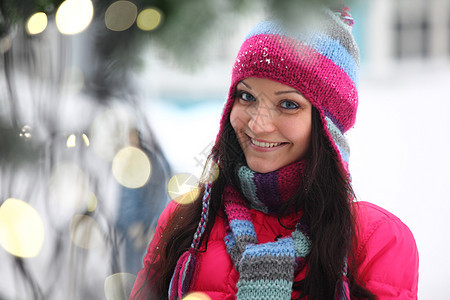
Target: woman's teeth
(264,145)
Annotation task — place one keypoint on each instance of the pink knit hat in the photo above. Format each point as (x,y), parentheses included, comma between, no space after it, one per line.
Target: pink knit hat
(321,62)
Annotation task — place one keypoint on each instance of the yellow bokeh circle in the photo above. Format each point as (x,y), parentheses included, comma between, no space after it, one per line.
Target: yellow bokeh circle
(21,228)
(120,15)
(74,16)
(183,188)
(91,202)
(188,197)
(211,172)
(131,167)
(37,23)
(149,19)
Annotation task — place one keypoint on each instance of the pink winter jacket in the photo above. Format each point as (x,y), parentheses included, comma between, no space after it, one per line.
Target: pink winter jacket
(386,254)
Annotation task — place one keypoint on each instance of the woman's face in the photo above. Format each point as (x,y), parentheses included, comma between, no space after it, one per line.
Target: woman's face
(272,122)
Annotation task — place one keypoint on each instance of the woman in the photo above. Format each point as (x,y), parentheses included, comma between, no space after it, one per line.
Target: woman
(280,220)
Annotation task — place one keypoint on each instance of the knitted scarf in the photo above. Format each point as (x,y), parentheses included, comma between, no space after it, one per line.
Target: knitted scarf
(267,270)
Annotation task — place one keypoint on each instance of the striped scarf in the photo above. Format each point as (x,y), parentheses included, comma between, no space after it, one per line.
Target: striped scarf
(267,270)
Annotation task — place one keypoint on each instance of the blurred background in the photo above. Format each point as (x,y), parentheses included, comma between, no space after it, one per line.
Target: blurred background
(108,110)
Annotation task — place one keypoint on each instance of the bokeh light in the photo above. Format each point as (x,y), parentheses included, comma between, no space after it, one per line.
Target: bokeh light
(85,232)
(37,23)
(183,188)
(131,167)
(21,228)
(25,132)
(149,19)
(5,44)
(119,286)
(120,15)
(74,16)
(85,139)
(91,202)
(71,141)
(212,173)
(69,188)
(196,296)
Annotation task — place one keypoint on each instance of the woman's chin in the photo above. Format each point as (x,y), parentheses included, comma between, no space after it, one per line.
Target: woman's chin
(262,167)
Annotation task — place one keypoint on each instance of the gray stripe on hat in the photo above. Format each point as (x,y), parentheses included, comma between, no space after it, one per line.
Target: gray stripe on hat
(339,139)
(337,30)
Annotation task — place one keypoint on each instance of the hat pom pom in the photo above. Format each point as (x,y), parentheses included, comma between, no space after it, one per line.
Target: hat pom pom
(346,17)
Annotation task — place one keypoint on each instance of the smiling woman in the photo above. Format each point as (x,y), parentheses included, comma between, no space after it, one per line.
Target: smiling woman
(280,220)
(274,127)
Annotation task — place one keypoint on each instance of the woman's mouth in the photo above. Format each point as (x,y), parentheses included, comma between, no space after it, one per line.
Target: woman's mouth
(264,144)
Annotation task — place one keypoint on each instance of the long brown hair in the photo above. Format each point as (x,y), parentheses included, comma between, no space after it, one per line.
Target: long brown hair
(323,195)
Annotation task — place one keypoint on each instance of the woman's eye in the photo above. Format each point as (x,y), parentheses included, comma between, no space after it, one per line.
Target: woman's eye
(287,104)
(246,96)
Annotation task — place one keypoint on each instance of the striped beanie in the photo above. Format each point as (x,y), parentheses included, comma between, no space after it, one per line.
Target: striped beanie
(321,61)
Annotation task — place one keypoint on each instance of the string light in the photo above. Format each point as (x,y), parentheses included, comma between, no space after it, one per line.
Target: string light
(37,23)
(74,16)
(149,19)
(120,15)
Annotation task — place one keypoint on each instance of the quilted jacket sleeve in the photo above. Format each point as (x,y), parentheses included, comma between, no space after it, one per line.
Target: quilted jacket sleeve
(141,288)
(387,254)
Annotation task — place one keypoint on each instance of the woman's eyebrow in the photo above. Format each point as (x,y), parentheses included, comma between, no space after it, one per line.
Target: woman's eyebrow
(286,92)
(246,85)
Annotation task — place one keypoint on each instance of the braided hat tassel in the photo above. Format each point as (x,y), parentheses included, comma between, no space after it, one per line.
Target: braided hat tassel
(343,293)
(184,270)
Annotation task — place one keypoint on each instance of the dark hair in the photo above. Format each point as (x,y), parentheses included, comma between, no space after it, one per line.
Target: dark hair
(324,196)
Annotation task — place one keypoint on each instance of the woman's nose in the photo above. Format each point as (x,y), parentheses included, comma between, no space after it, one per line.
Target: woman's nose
(261,119)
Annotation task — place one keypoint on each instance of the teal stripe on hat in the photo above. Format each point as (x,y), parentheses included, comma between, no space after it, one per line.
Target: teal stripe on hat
(334,51)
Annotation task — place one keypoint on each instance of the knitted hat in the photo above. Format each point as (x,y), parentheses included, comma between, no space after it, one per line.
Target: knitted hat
(321,61)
